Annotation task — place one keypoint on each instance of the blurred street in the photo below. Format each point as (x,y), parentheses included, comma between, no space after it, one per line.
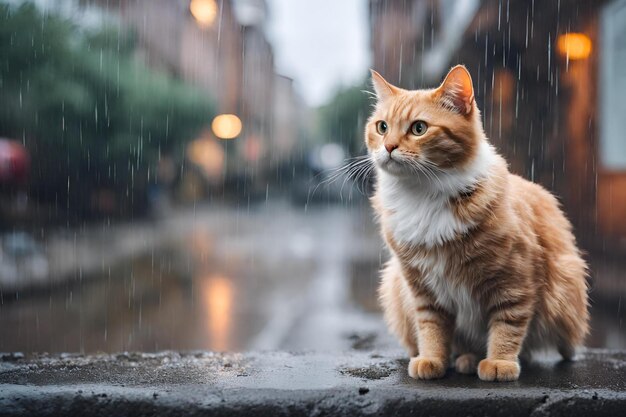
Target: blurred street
(271,276)
(268,277)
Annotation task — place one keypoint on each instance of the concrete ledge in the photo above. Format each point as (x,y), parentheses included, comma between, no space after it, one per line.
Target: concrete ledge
(282,384)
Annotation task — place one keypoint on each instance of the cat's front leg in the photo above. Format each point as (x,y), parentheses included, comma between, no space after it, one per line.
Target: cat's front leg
(508,324)
(434,335)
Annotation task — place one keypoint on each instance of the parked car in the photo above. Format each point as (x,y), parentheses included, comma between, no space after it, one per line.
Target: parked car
(14,162)
(23,262)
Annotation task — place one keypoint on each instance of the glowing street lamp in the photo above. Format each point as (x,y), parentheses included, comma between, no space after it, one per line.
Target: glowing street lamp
(574,46)
(226,126)
(208,155)
(204,11)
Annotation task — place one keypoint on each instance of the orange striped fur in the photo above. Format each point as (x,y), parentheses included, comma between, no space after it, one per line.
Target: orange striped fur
(483,263)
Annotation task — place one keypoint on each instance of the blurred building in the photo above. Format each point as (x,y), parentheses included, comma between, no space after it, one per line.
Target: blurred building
(287,109)
(221,47)
(549,79)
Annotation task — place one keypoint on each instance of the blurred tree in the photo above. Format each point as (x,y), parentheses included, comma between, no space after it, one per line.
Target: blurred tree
(92,117)
(343,119)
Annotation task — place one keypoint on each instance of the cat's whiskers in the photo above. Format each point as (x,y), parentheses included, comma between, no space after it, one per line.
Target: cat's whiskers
(353,169)
(357,171)
(360,176)
(425,169)
(435,171)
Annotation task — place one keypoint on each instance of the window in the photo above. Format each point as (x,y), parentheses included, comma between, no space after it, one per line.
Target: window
(613,87)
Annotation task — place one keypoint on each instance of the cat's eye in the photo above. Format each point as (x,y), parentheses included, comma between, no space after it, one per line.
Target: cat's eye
(381,127)
(419,128)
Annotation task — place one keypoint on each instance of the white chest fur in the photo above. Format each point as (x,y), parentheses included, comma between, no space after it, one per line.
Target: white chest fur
(417,218)
(420,213)
(454,297)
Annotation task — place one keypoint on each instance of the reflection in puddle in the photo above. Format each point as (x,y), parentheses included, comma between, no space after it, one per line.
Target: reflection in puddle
(212,287)
(151,307)
(217,298)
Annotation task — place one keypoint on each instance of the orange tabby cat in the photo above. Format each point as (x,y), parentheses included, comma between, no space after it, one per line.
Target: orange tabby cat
(484,263)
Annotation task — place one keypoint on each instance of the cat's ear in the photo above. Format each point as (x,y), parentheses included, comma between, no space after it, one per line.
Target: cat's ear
(383,89)
(456,92)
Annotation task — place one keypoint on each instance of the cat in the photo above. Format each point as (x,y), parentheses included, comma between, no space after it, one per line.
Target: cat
(483,264)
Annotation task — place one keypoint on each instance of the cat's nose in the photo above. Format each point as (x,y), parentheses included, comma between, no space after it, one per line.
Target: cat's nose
(391,146)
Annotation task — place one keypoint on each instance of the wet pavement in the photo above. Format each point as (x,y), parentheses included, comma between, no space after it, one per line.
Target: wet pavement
(372,382)
(266,277)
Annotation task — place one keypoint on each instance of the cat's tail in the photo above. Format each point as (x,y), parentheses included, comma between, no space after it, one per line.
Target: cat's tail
(570,298)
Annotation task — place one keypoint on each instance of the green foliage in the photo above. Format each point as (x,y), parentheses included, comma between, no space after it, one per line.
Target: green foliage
(90,114)
(343,119)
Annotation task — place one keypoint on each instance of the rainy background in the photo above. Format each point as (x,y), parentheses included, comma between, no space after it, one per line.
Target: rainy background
(170,170)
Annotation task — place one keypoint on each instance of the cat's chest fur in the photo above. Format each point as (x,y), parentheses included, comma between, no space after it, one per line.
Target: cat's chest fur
(417,219)
(454,295)
(418,210)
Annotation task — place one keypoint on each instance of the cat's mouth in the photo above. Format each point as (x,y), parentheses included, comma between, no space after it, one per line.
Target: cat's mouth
(393,160)
(393,163)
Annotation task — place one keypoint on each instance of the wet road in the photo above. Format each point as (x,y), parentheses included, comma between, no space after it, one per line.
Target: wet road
(270,277)
(264,278)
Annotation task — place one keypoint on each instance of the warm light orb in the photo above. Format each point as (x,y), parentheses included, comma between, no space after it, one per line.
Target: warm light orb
(574,45)
(218,297)
(204,11)
(226,126)
(207,154)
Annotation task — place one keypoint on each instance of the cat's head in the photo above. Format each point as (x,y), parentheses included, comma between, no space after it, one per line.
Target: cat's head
(424,132)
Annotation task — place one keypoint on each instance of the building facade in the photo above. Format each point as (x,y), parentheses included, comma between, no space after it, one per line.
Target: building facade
(227,54)
(548,77)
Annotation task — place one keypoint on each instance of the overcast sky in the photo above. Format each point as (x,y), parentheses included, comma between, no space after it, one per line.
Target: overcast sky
(322,44)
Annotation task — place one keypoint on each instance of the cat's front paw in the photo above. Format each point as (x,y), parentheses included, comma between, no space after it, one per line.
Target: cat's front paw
(426,368)
(498,370)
